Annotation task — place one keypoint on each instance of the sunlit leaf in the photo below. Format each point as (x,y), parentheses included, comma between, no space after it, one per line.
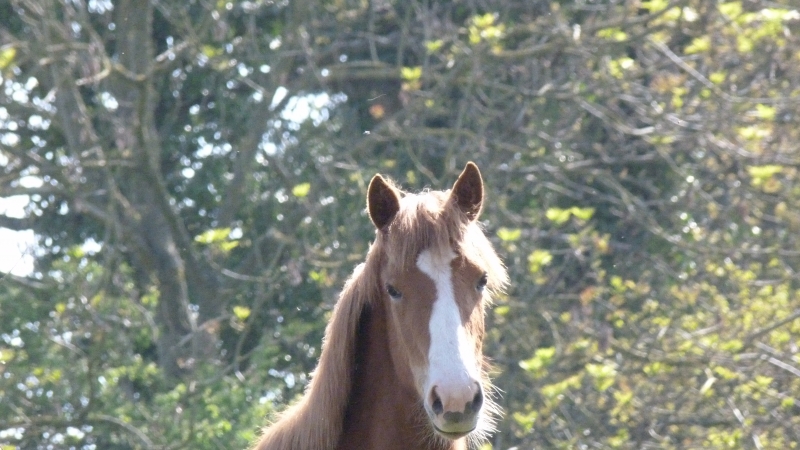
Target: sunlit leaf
(411,73)
(558,215)
(509,234)
(301,190)
(655,5)
(582,213)
(542,358)
(7,56)
(698,45)
(717,77)
(765,112)
(603,374)
(213,235)
(613,34)
(433,46)
(501,310)
(241,312)
(538,259)
(228,246)
(211,51)
(556,389)
(764,172)
(6,354)
(525,420)
(731,9)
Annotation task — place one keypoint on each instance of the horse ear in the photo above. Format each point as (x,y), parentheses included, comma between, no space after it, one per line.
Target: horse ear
(383,202)
(467,193)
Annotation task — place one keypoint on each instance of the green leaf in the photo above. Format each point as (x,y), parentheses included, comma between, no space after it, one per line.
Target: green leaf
(7,56)
(501,310)
(699,45)
(411,73)
(211,51)
(765,112)
(538,259)
(542,358)
(525,420)
(241,312)
(484,21)
(733,345)
(620,440)
(433,46)
(76,251)
(731,9)
(560,216)
(6,354)
(744,44)
(508,234)
(613,34)
(764,172)
(582,213)
(725,373)
(228,246)
(557,215)
(301,190)
(616,67)
(717,77)
(213,236)
(655,5)
(554,390)
(603,374)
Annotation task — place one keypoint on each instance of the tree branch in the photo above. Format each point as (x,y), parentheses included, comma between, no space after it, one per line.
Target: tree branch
(16,224)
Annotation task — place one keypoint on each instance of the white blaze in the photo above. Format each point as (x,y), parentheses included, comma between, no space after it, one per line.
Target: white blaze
(451,356)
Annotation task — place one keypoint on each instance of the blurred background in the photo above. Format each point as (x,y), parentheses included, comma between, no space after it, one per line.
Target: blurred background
(182,195)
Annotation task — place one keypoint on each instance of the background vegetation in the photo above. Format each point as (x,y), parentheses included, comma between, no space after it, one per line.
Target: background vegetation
(195,173)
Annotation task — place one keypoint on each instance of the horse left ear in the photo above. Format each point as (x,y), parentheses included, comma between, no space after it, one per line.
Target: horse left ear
(383,202)
(467,193)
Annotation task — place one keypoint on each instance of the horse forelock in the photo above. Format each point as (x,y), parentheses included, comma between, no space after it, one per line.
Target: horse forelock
(430,221)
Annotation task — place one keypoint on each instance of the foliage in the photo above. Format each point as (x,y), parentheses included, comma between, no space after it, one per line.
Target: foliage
(196,178)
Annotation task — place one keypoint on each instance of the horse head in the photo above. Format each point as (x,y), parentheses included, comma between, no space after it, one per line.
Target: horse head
(437,271)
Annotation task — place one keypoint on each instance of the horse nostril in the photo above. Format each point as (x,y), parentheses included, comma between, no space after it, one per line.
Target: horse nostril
(437,407)
(477,401)
(436,402)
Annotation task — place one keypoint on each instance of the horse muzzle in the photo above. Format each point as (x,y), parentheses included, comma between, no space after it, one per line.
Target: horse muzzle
(454,412)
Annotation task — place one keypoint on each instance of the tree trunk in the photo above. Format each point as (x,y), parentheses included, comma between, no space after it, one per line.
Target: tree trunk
(187,287)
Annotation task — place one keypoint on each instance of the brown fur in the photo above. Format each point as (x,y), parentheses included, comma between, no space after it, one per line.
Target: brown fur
(359,397)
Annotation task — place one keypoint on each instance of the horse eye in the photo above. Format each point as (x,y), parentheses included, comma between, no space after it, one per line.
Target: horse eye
(482,281)
(393,292)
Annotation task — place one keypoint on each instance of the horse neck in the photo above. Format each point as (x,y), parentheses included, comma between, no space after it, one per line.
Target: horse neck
(384,410)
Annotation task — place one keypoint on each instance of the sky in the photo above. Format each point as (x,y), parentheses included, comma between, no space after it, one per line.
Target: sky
(16,247)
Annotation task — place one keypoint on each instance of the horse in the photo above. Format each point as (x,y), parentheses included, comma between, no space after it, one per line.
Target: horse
(402,365)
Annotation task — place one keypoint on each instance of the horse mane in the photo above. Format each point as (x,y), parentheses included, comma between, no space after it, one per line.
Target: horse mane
(315,421)
(425,220)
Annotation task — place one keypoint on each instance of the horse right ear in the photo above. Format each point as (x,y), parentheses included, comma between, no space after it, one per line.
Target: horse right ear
(383,202)
(468,191)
